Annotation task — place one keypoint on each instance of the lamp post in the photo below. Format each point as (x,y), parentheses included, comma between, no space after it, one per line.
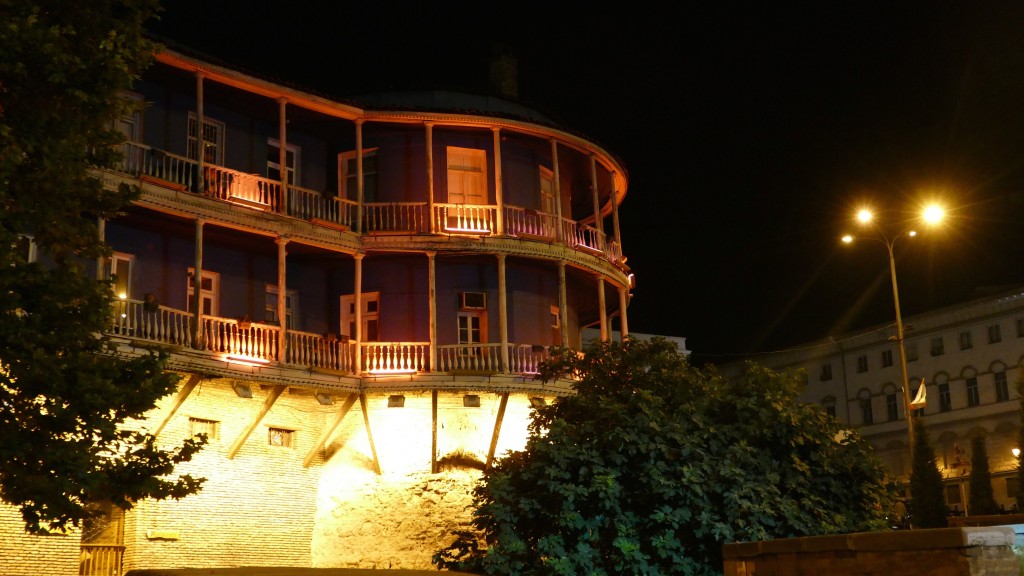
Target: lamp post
(931,215)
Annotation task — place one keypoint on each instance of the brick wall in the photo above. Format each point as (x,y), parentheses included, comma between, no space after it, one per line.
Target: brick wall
(25,555)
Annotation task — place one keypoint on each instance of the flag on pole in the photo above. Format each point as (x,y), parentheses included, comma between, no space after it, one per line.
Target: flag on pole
(921,399)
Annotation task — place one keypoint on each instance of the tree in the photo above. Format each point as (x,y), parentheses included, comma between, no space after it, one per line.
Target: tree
(653,464)
(980,499)
(927,504)
(67,398)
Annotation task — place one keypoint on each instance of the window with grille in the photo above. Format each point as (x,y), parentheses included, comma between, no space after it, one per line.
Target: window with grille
(197,426)
(281,437)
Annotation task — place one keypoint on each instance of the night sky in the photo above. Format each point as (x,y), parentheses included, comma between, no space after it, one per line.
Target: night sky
(750,135)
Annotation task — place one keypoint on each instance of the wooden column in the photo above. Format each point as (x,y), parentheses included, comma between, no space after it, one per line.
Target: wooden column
(432,295)
(563,308)
(359,174)
(503,313)
(369,433)
(282,299)
(623,302)
(559,230)
(282,140)
(197,284)
(498,193)
(433,432)
(430,177)
(601,309)
(615,216)
(357,303)
(200,142)
(598,221)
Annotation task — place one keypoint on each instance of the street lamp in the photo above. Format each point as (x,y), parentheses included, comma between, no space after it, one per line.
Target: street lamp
(931,215)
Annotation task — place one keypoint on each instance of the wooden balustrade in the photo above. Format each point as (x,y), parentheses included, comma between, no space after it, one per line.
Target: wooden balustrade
(317,351)
(245,340)
(405,217)
(530,223)
(100,560)
(470,357)
(312,205)
(395,357)
(137,319)
(525,358)
(245,189)
(157,165)
(465,218)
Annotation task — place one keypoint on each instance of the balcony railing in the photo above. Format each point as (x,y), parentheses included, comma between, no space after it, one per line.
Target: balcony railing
(175,171)
(396,217)
(100,560)
(395,357)
(137,319)
(469,357)
(240,340)
(465,218)
(317,351)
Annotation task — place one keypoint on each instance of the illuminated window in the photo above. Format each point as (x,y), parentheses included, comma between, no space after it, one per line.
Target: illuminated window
(348,175)
(1002,389)
(886,358)
(197,426)
(118,269)
(965,340)
(467,175)
(973,398)
(995,334)
(281,437)
(213,140)
(292,157)
(862,363)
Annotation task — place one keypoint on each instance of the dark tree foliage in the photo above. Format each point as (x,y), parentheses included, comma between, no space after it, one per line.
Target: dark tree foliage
(927,503)
(980,498)
(653,464)
(67,400)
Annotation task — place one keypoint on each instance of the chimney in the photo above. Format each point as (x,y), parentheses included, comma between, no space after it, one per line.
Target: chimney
(504,79)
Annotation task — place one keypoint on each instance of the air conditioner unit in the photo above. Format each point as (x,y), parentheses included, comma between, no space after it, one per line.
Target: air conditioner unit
(473,300)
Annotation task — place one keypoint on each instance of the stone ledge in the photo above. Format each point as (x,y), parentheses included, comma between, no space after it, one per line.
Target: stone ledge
(922,539)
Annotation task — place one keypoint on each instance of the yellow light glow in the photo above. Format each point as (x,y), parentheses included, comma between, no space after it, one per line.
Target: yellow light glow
(912,233)
(865,215)
(1016,452)
(847,239)
(122,296)
(385,371)
(933,214)
(246,360)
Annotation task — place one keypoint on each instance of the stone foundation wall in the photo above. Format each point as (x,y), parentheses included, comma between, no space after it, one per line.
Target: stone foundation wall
(933,552)
(25,555)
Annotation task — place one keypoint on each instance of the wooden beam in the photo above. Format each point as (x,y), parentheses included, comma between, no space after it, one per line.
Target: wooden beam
(433,431)
(275,392)
(183,393)
(369,434)
(349,402)
(497,430)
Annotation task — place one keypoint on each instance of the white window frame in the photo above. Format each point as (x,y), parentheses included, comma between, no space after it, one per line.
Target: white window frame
(547,196)
(110,267)
(467,175)
(219,131)
(345,174)
(371,313)
(213,293)
(292,170)
(466,317)
(291,307)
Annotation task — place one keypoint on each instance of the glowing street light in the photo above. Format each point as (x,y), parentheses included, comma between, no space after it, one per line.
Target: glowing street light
(932,215)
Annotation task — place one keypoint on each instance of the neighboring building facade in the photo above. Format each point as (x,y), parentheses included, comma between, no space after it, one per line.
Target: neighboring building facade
(969,357)
(357,298)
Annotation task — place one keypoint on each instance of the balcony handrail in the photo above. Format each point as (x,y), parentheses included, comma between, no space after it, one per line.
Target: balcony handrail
(241,340)
(484,357)
(312,205)
(249,190)
(319,351)
(465,218)
(137,319)
(100,560)
(395,357)
(395,217)
(140,160)
(521,221)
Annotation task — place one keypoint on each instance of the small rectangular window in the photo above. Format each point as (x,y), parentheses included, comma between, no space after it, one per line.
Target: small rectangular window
(862,363)
(197,426)
(911,350)
(826,372)
(995,334)
(938,346)
(891,407)
(965,340)
(281,437)
(1020,327)
(953,494)
(886,358)
(945,402)
(473,300)
(866,413)
(1011,487)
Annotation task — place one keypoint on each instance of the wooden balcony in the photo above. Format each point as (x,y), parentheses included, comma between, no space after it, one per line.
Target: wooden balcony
(255,344)
(100,560)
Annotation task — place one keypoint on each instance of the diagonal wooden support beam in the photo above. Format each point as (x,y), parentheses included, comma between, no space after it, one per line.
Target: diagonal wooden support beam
(349,402)
(183,393)
(433,432)
(497,431)
(369,434)
(275,392)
